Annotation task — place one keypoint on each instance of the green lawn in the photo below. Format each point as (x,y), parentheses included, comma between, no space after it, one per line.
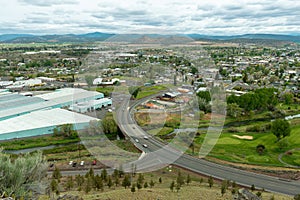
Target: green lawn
(150,90)
(293,159)
(105,90)
(233,149)
(31,142)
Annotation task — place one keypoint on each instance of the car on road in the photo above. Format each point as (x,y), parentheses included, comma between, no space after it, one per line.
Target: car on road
(145,145)
(146,137)
(74,164)
(71,162)
(82,163)
(137,141)
(94,162)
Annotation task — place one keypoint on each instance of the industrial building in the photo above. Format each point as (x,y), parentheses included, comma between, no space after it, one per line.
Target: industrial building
(41,122)
(23,116)
(92,105)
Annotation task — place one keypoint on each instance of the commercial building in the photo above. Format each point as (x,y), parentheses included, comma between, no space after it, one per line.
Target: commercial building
(23,116)
(41,122)
(92,105)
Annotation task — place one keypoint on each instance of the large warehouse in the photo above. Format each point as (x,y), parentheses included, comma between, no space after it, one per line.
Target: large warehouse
(22,116)
(41,122)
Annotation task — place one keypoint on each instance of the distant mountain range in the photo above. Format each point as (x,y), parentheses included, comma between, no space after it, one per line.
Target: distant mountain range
(139,38)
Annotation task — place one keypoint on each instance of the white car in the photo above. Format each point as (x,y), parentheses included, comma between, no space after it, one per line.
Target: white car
(146,137)
(145,145)
(82,163)
(71,162)
(137,141)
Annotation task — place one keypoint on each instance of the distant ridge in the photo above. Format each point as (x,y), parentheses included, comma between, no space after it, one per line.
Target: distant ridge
(289,38)
(139,38)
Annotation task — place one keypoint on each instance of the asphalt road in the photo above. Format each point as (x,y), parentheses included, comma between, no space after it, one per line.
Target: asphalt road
(158,154)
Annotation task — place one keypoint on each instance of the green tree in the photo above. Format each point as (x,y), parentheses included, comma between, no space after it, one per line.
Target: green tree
(88,185)
(201,181)
(233,184)
(56,174)
(160,180)
(152,183)
(90,173)
(210,181)
(89,80)
(98,183)
(53,186)
(180,179)
(126,181)
(172,185)
(104,175)
(252,187)
(109,182)
(109,126)
(133,188)
(280,128)
(188,179)
(79,180)
(139,186)
(223,187)
(178,187)
(140,179)
(297,197)
(145,185)
(134,90)
(234,110)
(69,184)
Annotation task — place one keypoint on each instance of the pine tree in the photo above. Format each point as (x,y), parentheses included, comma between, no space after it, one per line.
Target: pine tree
(104,175)
(140,179)
(117,180)
(88,185)
(210,181)
(69,183)
(98,183)
(126,181)
(172,186)
(53,185)
(133,188)
(188,179)
(180,179)
(223,187)
(178,187)
(56,174)
(145,185)
(139,186)
(160,180)
(109,182)
(152,183)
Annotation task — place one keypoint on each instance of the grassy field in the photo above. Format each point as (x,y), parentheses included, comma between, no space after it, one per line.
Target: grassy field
(150,90)
(292,159)
(105,90)
(233,149)
(40,141)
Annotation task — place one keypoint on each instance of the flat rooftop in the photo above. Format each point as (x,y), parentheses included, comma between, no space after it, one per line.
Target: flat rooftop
(42,119)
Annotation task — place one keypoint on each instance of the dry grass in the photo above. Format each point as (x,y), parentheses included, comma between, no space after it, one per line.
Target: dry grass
(194,191)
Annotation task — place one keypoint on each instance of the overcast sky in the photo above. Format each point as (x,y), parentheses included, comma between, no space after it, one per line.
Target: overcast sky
(222,17)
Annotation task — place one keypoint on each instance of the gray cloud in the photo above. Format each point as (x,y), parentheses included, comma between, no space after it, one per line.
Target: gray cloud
(46,3)
(189,16)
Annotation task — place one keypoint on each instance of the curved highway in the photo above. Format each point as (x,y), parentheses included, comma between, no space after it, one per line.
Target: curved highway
(162,154)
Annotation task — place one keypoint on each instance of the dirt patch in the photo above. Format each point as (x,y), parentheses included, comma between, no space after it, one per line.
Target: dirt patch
(244,137)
